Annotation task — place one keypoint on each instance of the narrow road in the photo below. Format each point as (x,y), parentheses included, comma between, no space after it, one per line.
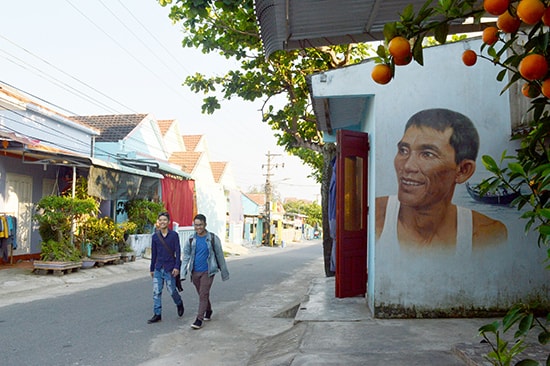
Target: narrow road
(107,325)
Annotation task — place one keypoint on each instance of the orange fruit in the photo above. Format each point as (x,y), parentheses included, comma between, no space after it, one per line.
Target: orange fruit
(399,47)
(533,67)
(381,74)
(496,7)
(469,58)
(530,90)
(490,35)
(402,61)
(508,23)
(530,11)
(546,88)
(546,17)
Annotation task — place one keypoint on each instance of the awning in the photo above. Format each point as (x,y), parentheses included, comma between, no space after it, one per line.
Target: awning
(122,168)
(168,168)
(110,184)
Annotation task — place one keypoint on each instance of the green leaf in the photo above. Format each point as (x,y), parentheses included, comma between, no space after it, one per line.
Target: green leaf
(517,168)
(390,31)
(417,51)
(489,328)
(527,362)
(544,212)
(525,325)
(441,32)
(544,337)
(544,230)
(490,164)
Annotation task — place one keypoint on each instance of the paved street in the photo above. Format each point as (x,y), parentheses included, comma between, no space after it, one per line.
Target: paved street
(98,316)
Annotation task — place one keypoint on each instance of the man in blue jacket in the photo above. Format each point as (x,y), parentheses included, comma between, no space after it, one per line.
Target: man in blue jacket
(165,266)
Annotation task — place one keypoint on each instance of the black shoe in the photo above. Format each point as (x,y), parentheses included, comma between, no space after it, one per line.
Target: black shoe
(154,319)
(208,315)
(197,324)
(180,310)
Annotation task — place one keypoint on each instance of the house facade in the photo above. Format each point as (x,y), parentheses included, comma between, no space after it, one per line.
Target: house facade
(466,279)
(367,122)
(43,154)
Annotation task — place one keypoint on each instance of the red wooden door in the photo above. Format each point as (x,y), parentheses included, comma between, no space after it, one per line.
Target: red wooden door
(351,213)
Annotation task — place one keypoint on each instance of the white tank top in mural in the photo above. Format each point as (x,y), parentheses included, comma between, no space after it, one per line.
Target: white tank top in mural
(464,230)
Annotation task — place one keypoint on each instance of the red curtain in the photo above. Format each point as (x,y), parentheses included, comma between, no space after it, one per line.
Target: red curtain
(179,199)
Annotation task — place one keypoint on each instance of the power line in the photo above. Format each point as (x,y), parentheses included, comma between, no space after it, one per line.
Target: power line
(155,38)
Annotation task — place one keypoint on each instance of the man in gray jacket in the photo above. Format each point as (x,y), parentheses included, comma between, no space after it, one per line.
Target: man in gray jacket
(203,257)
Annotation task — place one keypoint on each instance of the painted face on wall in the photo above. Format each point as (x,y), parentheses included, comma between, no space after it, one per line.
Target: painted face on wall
(425,167)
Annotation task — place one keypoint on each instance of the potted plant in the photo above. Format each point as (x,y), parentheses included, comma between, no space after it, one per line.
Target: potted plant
(104,237)
(126,250)
(59,220)
(144,214)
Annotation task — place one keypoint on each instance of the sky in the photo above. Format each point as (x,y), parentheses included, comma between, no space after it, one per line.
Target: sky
(93,57)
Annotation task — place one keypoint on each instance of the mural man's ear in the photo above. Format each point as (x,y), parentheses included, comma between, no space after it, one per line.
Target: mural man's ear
(465,170)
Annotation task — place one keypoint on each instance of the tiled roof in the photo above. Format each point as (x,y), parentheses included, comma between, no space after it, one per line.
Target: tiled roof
(112,127)
(164,125)
(187,160)
(191,141)
(218,167)
(258,198)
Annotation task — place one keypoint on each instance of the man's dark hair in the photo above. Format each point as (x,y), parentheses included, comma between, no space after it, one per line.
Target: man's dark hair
(164,214)
(464,139)
(200,217)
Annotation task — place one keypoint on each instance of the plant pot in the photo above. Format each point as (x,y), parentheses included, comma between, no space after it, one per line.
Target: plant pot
(88,263)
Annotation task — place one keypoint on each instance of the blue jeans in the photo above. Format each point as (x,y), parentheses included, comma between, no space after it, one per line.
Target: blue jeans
(159,277)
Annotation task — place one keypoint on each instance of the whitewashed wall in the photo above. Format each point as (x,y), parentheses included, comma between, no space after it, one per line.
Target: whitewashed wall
(430,282)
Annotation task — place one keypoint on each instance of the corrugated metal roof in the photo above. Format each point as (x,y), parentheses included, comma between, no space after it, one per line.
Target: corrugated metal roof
(295,24)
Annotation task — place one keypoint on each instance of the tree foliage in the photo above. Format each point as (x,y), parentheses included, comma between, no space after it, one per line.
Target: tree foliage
(312,210)
(230,29)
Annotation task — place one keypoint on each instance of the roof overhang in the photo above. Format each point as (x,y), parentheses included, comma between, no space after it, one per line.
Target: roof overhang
(161,166)
(297,24)
(42,155)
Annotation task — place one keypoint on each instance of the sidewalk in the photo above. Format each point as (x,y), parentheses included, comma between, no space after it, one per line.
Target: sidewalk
(312,328)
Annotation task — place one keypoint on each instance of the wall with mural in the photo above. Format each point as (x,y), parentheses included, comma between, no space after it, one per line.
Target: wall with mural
(438,251)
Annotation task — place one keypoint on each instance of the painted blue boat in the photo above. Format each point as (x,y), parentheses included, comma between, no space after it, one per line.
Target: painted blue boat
(500,197)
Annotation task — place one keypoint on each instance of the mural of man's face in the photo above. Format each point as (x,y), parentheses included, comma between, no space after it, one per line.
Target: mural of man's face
(425,167)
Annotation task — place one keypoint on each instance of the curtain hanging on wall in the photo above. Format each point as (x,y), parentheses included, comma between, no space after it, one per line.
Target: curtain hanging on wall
(179,199)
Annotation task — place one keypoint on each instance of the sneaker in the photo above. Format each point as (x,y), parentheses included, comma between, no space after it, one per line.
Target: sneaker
(197,324)
(154,319)
(208,315)
(180,310)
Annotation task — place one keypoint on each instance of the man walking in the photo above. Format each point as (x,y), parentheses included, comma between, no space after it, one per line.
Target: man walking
(165,266)
(203,257)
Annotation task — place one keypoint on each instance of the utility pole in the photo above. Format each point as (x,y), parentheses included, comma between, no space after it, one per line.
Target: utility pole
(269,167)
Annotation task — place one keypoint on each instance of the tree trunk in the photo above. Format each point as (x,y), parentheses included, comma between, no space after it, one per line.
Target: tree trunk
(329,152)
